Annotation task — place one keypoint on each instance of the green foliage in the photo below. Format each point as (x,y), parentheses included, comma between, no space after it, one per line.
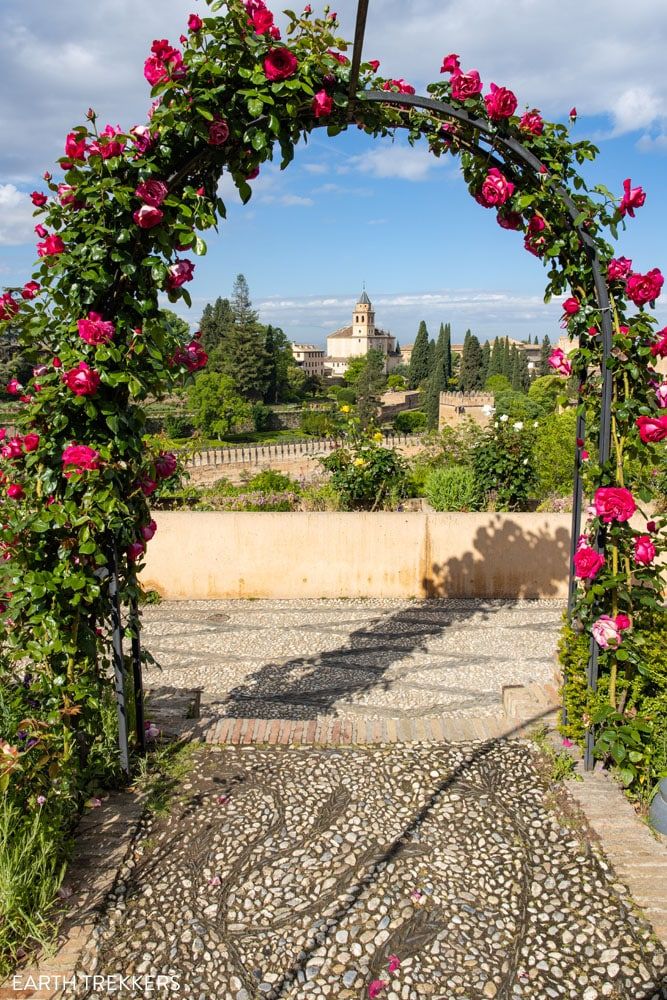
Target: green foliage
(438,380)
(497,384)
(368,381)
(270,481)
(503,464)
(366,475)
(418,369)
(217,407)
(517,406)
(215,325)
(319,423)
(451,488)
(471,375)
(554,453)
(544,368)
(545,391)
(397,383)
(262,417)
(410,422)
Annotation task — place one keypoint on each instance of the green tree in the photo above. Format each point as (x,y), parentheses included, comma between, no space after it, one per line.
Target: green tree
(470,377)
(217,407)
(439,378)
(397,382)
(486,360)
(520,373)
(556,435)
(245,357)
(369,383)
(418,371)
(431,356)
(446,342)
(215,324)
(279,360)
(545,390)
(506,359)
(497,384)
(543,367)
(495,361)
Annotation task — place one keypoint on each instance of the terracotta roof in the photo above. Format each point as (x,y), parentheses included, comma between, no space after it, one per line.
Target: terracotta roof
(346,331)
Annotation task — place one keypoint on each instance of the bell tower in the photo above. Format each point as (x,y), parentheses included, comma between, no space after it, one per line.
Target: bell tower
(363,319)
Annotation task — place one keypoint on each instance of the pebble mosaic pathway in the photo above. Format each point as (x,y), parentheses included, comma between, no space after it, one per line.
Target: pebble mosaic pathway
(439,871)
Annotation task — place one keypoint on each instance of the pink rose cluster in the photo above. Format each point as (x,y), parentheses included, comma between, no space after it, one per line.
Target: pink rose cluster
(400,85)
(79,458)
(608,631)
(560,363)
(95,330)
(179,272)
(164,63)
(640,288)
(17,446)
(587,562)
(280,64)
(82,380)
(108,144)
(8,307)
(495,189)
(260,18)
(192,356)
(152,193)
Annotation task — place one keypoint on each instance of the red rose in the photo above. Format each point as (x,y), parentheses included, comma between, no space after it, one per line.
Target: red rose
(148,531)
(51,246)
(95,330)
(8,306)
(644,550)
(218,132)
(75,148)
(322,104)
(587,562)
(374,65)
(195,22)
(31,442)
(618,268)
(30,290)
(192,356)
(152,193)
(148,216)
(79,458)
(465,85)
(500,103)
(166,464)
(571,306)
(509,220)
(38,199)
(532,122)
(643,288)
(147,486)
(280,64)
(659,346)
(495,190)
(260,17)
(652,429)
(179,273)
(632,198)
(15,491)
(450,64)
(400,85)
(614,503)
(82,380)
(135,551)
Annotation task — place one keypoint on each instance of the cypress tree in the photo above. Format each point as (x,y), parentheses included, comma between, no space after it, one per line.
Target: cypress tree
(419,361)
(439,378)
(516,369)
(486,361)
(470,377)
(544,367)
(524,372)
(506,359)
(495,361)
(431,357)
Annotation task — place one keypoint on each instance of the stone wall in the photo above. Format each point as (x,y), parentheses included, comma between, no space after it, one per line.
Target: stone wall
(200,555)
(455,407)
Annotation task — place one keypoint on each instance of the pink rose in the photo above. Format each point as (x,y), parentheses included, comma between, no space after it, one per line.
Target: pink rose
(79,458)
(166,464)
(571,306)
(152,193)
(31,442)
(259,16)
(41,231)
(218,132)
(393,964)
(532,122)
(376,988)
(15,491)
(509,220)
(30,290)
(67,196)
(322,104)
(644,550)
(51,246)
(165,63)
(38,199)
(587,563)
(147,485)
(82,380)
(618,268)
(632,198)
(643,288)
(108,145)
(195,23)
(280,64)
(661,395)
(659,346)
(606,632)
(14,387)
(143,138)
(560,363)
(148,531)
(614,503)
(500,103)
(75,148)
(450,64)
(400,85)
(8,306)
(623,623)
(465,85)
(192,356)
(652,429)
(148,216)
(95,330)
(179,273)
(374,65)
(135,551)
(495,190)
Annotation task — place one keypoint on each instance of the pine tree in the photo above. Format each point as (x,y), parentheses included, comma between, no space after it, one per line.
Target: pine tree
(245,359)
(486,360)
(495,362)
(470,377)
(215,325)
(439,378)
(544,368)
(279,360)
(419,367)
(368,385)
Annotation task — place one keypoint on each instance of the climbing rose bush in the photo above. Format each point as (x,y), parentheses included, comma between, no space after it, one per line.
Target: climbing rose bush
(120,224)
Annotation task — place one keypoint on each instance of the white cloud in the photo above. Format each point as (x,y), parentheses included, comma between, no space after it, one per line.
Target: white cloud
(289,200)
(409,163)
(653,143)
(16,218)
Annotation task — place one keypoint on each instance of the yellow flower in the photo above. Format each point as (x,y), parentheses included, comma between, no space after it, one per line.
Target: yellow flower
(358,462)
(377,436)
(345,409)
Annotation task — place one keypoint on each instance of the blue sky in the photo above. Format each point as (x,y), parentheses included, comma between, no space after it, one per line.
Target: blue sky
(353,209)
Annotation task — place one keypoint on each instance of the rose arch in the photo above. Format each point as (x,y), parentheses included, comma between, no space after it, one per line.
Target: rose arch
(121,224)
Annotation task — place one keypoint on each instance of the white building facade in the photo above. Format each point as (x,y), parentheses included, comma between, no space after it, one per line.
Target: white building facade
(358,339)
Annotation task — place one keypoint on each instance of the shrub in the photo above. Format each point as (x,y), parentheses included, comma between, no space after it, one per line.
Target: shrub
(410,421)
(517,406)
(262,417)
(498,384)
(503,465)
(451,489)
(318,423)
(365,475)
(554,453)
(178,425)
(271,481)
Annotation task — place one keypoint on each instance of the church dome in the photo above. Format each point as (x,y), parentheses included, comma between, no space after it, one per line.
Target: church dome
(363,299)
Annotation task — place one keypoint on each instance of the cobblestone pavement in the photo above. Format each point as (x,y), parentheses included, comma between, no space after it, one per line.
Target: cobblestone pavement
(298,874)
(352,659)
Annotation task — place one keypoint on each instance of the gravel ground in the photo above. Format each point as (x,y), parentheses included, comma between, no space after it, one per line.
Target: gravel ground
(297,873)
(373,658)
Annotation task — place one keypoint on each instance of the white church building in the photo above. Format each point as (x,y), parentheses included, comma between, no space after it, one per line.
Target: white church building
(358,339)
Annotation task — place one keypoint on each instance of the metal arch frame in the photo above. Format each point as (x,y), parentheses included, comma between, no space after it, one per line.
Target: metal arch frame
(518,154)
